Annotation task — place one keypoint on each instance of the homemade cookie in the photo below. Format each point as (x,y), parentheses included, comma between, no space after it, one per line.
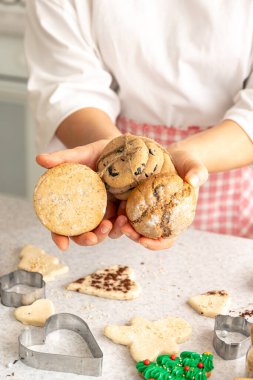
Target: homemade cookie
(70,199)
(211,303)
(162,206)
(34,259)
(155,159)
(122,160)
(168,166)
(128,160)
(189,365)
(147,339)
(116,282)
(35,314)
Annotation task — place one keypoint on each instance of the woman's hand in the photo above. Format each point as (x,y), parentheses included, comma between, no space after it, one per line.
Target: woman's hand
(88,155)
(191,169)
(115,222)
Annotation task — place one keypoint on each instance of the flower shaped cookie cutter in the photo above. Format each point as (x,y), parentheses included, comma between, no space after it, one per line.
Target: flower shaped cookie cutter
(224,325)
(89,366)
(21,277)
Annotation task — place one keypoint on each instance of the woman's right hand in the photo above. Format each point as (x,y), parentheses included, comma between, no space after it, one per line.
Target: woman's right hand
(87,155)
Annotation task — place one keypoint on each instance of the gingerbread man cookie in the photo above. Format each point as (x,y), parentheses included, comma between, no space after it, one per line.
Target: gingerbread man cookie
(149,339)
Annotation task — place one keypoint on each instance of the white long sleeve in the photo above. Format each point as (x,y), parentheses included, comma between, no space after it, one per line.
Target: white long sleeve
(66,73)
(164,62)
(242,110)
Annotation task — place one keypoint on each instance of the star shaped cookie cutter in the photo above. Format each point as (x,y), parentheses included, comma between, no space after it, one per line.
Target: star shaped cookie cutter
(225,324)
(21,277)
(81,365)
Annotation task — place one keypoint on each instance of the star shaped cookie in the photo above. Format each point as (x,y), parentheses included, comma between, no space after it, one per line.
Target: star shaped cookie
(34,259)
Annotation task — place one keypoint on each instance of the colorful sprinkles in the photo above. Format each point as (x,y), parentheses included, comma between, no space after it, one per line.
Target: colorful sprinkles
(188,366)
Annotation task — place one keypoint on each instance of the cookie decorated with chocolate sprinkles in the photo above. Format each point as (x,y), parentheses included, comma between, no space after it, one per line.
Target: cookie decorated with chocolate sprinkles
(115,282)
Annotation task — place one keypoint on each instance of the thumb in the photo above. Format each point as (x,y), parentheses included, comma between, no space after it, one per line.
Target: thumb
(196,174)
(190,168)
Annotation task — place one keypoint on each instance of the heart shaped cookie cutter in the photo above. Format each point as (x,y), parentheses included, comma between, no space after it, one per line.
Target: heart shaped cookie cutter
(225,324)
(21,277)
(89,366)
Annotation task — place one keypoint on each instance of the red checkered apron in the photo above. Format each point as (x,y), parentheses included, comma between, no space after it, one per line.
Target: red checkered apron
(225,203)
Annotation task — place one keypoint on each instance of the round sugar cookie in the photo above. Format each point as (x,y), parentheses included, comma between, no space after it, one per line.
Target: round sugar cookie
(70,199)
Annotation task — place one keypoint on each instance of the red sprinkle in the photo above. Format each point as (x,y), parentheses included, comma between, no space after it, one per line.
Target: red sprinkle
(186,368)
(146,362)
(201,365)
(173,357)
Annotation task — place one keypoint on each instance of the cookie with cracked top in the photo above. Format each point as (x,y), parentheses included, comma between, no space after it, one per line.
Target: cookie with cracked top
(162,206)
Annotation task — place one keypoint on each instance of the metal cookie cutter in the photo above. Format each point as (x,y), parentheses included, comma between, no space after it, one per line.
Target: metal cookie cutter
(89,366)
(21,277)
(226,324)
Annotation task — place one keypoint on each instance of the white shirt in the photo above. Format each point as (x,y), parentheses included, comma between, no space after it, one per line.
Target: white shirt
(169,62)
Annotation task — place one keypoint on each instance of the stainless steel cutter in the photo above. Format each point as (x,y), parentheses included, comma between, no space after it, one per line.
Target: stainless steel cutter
(21,277)
(89,366)
(227,324)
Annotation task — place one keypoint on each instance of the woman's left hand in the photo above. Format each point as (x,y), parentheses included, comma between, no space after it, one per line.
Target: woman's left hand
(192,170)
(123,227)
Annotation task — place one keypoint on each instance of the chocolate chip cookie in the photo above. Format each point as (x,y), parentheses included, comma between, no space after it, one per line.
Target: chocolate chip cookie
(70,199)
(128,160)
(161,206)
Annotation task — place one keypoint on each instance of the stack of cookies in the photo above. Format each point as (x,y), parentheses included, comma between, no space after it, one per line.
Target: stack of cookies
(71,199)
(139,170)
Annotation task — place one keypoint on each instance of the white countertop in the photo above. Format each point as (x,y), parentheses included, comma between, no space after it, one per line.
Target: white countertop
(197,263)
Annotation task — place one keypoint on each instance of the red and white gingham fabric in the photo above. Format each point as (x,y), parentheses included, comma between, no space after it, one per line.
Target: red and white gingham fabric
(225,203)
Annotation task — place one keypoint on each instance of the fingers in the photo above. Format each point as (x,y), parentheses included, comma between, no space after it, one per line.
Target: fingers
(128,230)
(87,154)
(62,242)
(86,239)
(189,167)
(197,175)
(152,244)
(106,229)
(156,244)
(94,237)
(116,231)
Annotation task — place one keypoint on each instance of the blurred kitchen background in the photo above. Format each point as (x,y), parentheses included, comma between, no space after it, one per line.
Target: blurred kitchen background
(18,169)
